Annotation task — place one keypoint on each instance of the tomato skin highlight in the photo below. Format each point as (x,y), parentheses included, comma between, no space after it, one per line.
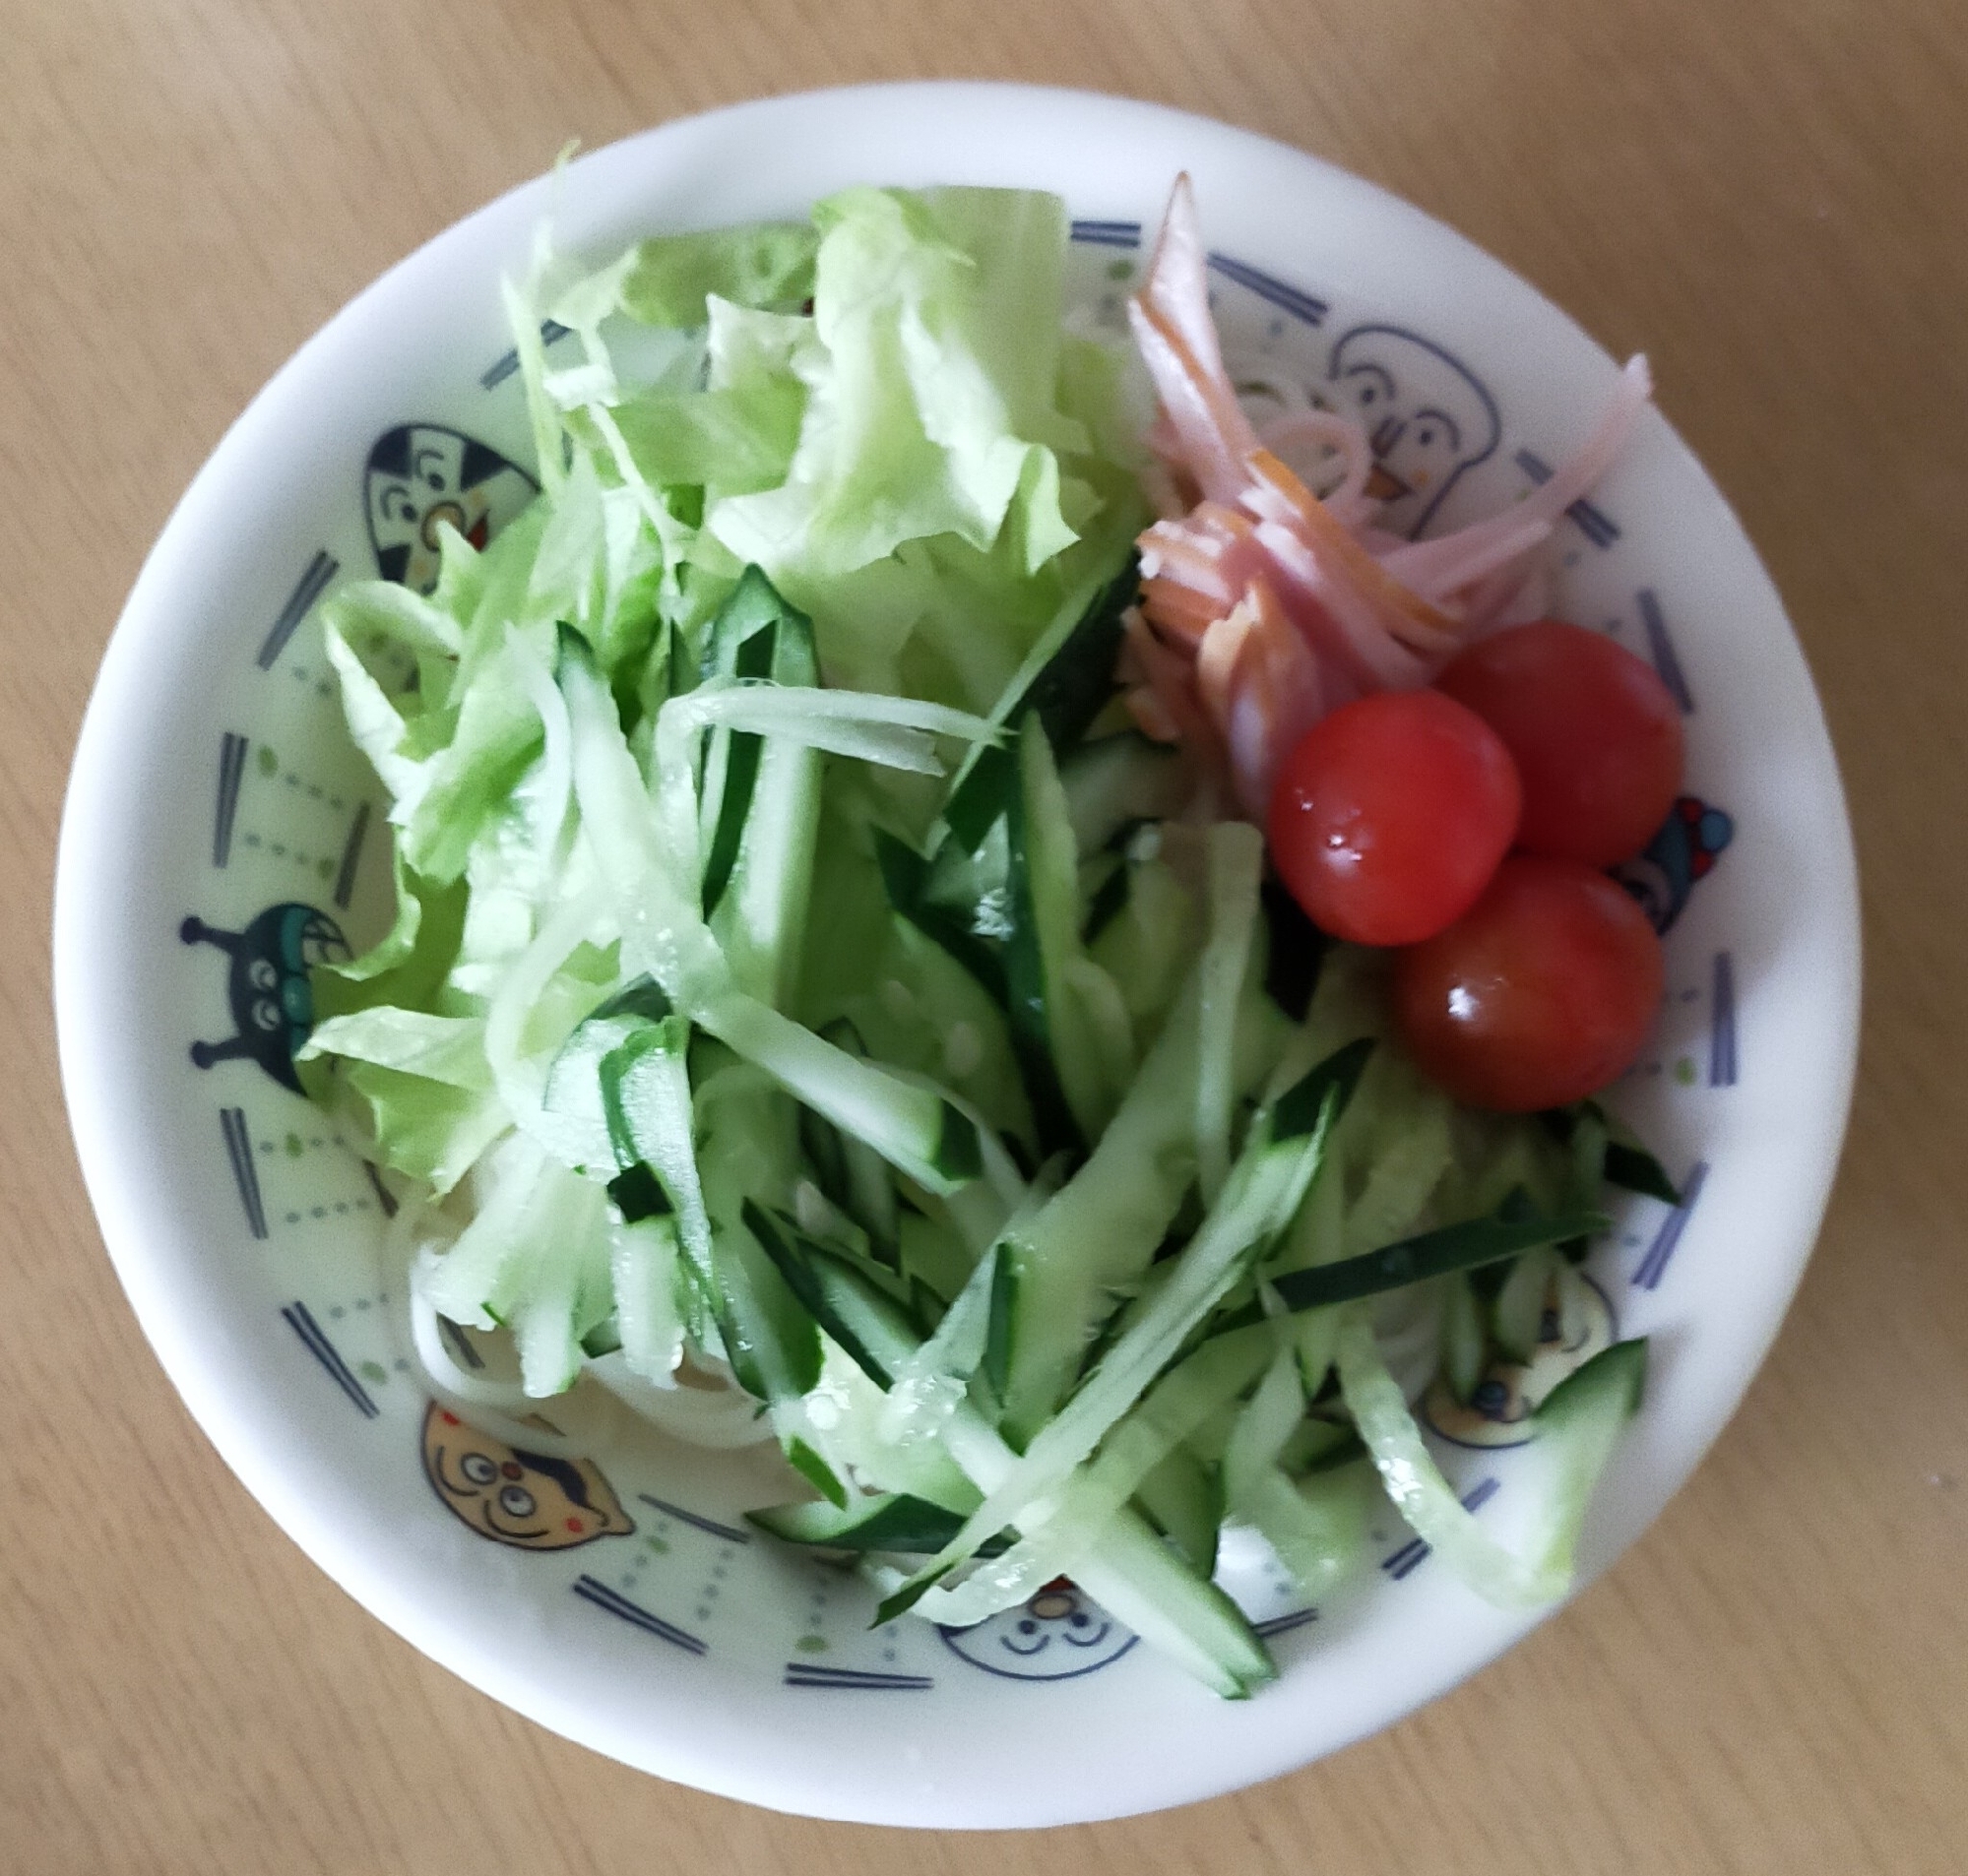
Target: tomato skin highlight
(1543,993)
(1596,735)
(1390,815)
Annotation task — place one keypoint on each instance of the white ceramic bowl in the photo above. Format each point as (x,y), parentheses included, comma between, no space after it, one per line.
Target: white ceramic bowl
(213,786)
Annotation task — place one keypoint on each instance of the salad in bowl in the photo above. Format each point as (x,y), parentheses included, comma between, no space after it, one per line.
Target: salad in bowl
(1034,984)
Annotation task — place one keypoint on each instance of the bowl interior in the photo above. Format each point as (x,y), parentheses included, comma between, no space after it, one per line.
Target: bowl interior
(221,834)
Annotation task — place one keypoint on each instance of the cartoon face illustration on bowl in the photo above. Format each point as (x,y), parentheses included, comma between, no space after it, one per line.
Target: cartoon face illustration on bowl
(268,988)
(1053,1635)
(420,475)
(1685,850)
(1509,1392)
(1425,413)
(529,1500)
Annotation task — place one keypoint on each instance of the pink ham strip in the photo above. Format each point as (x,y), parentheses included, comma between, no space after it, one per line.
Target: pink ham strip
(1210,426)
(1275,491)
(1347,439)
(1170,680)
(1180,613)
(1177,290)
(1217,653)
(1452,561)
(1248,633)
(1177,338)
(1337,621)
(1279,694)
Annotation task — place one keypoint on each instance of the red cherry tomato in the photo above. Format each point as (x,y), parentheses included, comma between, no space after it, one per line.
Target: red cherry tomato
(1390,815)
(1543,994)
(1596,736)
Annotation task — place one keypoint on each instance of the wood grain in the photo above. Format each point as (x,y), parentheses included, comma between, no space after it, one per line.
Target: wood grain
(1765,196)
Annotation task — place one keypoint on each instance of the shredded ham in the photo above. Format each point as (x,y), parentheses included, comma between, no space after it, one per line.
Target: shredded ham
(1264,605)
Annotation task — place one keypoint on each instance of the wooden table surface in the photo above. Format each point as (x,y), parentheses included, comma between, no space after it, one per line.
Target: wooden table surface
(1765,195)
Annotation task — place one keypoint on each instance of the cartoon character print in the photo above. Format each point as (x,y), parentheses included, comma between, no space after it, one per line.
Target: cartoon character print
(268,988)
(1511,1391)
(1685,850)
(529,1500)
(1427,415)
(420,475)
(1053,1635)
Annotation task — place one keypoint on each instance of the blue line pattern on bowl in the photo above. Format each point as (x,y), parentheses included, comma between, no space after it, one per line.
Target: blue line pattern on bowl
(1647,1274)
(300,1319)
(862,1680)
(592,1590)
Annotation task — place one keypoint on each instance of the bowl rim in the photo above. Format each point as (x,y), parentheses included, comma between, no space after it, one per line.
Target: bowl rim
(121,734)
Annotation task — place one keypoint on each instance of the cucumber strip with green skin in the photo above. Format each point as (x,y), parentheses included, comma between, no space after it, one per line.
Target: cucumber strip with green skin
(1236,869)
(761,920)
(965,1036)
(649,1325)
(1464,1344)
(1182,1498)
(933,1254)
(1149,941)
(814,1470)
(1454,1247)
(573,1094)
(1116,781)
(846,1416)
(1048,1021)
(732,760)
(1319,1445)
(820,1142)
(1108,901)
(1148,1441)
(663,932)
(926,1388)
(1127,1570)
(914,1128)
(1262,1426)
(767,818)
(905,876)
(891,1284)
(1265,1188)
(816,1287)
(1133,1575)
(1576,1429)
(1517,1312)
(647,1110)
(1096,1233)
(853,1175)
(1637,1170)
(769,1333)
(1398,1147)
(1100,1232)
(746,1142)
(885,1520)
(1317,1525)
(1065,680)
(1627,1164)
(1586,1150)
(1318,1529)
(971,885)
(604,1339)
